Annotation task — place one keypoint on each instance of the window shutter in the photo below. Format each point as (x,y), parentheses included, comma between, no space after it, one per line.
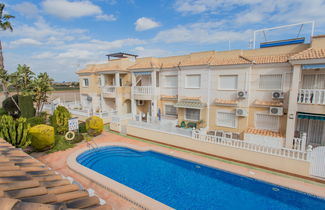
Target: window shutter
(228,82)
(226,119)
(270,82)
(170,110)
(308,81)
(193,81)
(171,81)
(267,122)
(192,114)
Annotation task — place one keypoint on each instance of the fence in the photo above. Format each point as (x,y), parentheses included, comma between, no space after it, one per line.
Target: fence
(143,90)
(283,152)
(163,126)
(109,89)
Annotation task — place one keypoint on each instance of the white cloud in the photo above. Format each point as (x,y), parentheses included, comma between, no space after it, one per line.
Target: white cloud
(27,9)
(75,9)
(150,52)
(143,24)
(25,41)
(106,17)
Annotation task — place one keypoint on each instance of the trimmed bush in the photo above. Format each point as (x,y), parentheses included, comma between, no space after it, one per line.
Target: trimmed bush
(42,137)
(82,127)
(94,125)
(10,107)
(15,131)
(26,106)
(60,119)
(36,121)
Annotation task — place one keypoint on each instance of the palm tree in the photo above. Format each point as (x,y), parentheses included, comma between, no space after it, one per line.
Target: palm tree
(4,25)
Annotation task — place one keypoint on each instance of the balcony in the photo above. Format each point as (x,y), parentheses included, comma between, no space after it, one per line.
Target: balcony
(311,96)
(109,91)
(144,92)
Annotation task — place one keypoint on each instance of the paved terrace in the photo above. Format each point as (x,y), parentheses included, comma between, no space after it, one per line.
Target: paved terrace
(58,162)
(26,183)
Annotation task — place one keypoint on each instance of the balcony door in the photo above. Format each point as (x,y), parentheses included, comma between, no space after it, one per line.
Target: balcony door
(315,130)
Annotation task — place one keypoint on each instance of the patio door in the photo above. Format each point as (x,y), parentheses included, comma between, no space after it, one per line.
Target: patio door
(315,130)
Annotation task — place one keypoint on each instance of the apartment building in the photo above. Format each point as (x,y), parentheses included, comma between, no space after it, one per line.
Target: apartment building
(268,95)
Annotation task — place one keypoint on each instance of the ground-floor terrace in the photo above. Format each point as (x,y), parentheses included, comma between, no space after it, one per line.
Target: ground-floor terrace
(57,161)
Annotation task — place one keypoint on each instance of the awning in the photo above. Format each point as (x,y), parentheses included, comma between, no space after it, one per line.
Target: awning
(142,73)
(311,116)
(313,66)
(190,104)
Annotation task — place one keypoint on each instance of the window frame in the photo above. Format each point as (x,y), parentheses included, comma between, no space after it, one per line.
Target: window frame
(168,115)
(192,120)
(84,82)
(265,113)
(170,75)
(186,81)
(227,112)
(273,89)
(227,75)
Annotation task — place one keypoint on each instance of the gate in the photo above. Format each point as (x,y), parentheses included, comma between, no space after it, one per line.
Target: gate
(317,159)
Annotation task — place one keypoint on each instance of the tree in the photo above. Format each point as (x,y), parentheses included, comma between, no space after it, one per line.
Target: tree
(4,25)
(42,84)
(22,79)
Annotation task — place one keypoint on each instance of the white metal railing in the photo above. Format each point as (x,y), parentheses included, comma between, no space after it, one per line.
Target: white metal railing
(311,96)
(300,143)
(161,127)
(109,89)
(80,112)
(283,152)
(143,90)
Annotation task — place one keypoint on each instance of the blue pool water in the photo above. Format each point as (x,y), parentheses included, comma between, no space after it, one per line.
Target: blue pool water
(183,184)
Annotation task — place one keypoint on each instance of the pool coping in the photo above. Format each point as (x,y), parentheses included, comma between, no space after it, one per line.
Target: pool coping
(123,191)
(146,202)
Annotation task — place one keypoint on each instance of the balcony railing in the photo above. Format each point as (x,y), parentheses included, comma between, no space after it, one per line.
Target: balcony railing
(311,96)
(109,89)
(143,90)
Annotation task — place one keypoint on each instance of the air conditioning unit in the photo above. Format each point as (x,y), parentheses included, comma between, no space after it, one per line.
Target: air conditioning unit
(276,111)
(242,94)
(140,102)
(277,95)
(241,112)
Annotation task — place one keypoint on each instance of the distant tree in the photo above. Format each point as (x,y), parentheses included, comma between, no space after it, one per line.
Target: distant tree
(42,85)
(5,81)
(4,25)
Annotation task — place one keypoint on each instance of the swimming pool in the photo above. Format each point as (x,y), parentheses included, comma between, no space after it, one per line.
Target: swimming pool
(183,184)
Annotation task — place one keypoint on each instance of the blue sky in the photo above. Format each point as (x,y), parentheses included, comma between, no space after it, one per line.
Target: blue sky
(62,36)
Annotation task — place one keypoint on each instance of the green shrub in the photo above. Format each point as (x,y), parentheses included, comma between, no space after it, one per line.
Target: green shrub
(15,131)
(2,111)
(26,106)
(36,121)
(82,127)
(42,137)
(10,107)
(60,119)
(94,125)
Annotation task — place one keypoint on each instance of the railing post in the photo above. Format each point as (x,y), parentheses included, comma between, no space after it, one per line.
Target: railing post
(303,142)
(309,150)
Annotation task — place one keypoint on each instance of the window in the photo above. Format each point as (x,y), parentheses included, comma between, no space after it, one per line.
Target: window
(170,110)
(85,82)
(270,82)
(267,122)
(193,81)
(313,81)
(228,82)
(226,119)
(171,81)
(192,114)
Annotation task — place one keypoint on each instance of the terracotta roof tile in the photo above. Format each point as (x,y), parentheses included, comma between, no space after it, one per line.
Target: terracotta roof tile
(146,63)
(268,103)
(310,53)
(228,61)
(264,132)
(28,184)
(224,101)
(269,58)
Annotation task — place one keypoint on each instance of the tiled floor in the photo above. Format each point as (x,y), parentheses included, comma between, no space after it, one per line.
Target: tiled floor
(57,161)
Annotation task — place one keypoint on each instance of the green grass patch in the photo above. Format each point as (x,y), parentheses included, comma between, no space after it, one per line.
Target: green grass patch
(60,144)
